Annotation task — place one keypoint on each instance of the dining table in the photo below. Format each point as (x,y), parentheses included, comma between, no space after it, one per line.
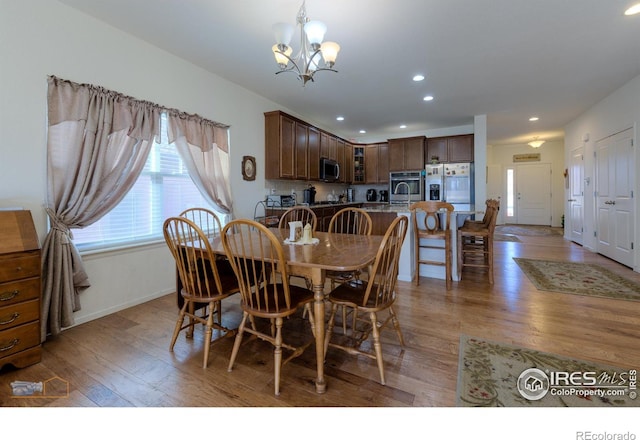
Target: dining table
(330,252)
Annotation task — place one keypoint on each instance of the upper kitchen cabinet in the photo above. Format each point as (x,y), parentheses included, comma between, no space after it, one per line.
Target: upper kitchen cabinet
(280,151)
(358,164)
(313,152)
(406,153)
(349,166)
(376,160)
(450,149)
(302,156)
(328,146)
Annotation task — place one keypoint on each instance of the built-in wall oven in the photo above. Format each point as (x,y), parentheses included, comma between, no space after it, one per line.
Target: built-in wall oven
(406,186)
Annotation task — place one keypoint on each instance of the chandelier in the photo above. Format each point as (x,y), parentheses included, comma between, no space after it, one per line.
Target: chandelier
(313,51)
(535,143)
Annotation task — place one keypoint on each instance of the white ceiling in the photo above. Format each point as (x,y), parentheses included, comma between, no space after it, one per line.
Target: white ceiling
(508,59)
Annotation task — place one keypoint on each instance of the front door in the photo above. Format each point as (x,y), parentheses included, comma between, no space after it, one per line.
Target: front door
(614,197)
(575,202)
(533,194)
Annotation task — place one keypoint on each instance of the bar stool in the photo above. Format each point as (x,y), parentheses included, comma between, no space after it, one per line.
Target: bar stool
(431,228)
(475,241)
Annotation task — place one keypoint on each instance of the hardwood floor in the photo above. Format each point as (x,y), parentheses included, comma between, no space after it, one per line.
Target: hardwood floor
(123,360)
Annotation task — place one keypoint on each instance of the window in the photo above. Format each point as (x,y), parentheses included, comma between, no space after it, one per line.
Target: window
(164,189)
(510,193)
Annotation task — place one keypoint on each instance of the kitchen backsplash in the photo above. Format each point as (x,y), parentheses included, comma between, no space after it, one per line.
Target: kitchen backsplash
(323,190)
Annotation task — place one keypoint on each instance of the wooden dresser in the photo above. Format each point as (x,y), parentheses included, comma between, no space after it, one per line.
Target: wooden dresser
(20,269)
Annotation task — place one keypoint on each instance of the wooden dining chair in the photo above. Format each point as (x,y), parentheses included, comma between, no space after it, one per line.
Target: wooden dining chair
(202,282)
(428,230)
(210,224)
(350,220)
(298,214)
(475,241)
(205,219)
(255,253)
(370,299)
(302,214)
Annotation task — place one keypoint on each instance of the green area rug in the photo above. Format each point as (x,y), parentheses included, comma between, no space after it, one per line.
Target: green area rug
(578,278)
(505,237)
(529,230)
(492,374)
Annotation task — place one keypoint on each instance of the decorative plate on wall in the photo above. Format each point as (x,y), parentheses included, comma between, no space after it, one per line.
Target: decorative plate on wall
(248,168)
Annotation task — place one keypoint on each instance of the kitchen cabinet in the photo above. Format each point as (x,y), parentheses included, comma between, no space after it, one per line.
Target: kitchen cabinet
(293,149)
(376,158)
(313,153)
(20,275)
(383,163)
(328,146)
(340,158)
(381,221)
(450,149)
(280,152)
(406,153)
(301,153)
(358,164)
(348,163)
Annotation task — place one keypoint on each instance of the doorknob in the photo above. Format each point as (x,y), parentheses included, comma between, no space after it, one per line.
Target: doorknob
(571,200)
(610,202)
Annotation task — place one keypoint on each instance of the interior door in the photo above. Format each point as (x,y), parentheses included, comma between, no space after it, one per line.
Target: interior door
(575,204)
(495,188)
(614,197)
(533,194)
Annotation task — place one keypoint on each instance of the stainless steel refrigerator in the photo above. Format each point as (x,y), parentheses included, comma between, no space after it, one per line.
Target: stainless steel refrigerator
(459,186)
(434,182)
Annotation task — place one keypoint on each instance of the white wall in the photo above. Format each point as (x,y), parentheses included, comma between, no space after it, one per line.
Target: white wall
(551,152)
(617,112)
(43,37)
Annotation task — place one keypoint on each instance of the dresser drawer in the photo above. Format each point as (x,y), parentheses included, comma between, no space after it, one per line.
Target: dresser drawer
(18,291)
(19,266)
(19,338)
(18,314)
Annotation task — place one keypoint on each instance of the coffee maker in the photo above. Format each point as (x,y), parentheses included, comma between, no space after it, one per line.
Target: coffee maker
(350,195)
(372,195)
(384,196)
(309,195)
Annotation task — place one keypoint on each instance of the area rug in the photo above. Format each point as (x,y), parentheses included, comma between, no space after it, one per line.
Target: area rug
(492,374)
(578,278)
(530,230)
(505,237)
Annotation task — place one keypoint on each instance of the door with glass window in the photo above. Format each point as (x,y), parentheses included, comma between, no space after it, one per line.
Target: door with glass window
(533,194)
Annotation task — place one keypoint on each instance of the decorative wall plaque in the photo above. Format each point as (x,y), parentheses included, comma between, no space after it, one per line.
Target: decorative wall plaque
(529,157)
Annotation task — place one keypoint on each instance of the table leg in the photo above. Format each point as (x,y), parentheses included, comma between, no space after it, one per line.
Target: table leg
(318,310)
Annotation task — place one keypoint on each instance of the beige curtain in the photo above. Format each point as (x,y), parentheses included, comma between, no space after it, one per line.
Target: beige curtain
(203,146)
(97,144)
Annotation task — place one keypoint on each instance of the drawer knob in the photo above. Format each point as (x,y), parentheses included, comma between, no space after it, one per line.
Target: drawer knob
(12,344)
(10,319)
(6,296)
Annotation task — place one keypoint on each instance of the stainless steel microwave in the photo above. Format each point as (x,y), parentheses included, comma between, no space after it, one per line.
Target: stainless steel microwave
(329,170)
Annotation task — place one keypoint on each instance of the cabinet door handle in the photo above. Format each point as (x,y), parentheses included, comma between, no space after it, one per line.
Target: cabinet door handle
(12,344)
(6,296)
(10,319)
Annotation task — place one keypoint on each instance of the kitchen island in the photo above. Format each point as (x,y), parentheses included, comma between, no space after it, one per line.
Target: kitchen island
(382,214)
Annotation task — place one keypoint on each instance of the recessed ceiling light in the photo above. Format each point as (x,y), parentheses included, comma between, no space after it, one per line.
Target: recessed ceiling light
(340,118)
(418,77)
(428,98)
(403,126)
(363,131)
(633,10)
(533,118)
